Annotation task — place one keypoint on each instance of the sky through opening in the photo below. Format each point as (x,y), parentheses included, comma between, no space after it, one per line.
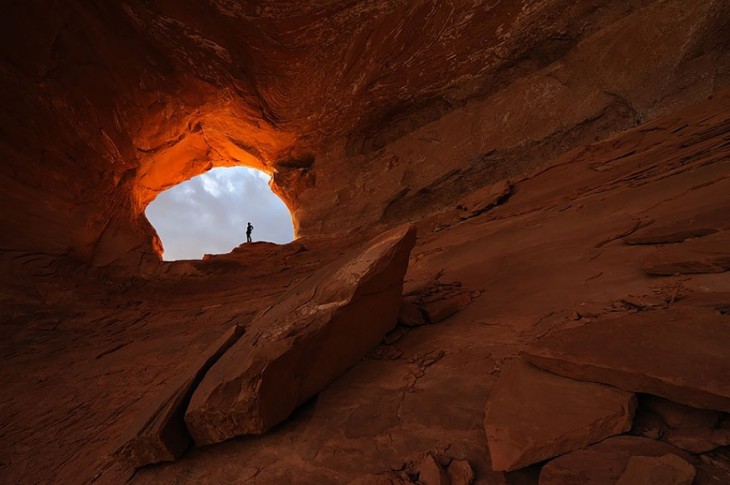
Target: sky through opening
(208,213)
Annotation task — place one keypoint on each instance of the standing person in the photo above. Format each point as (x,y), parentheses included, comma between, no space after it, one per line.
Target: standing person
(249,230)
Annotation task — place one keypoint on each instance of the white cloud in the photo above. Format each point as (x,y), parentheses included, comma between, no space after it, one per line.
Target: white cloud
(208,213)
(210,185)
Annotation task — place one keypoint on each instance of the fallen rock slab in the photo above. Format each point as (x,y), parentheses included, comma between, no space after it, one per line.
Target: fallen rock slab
(682,354)
(663,470)
(698,440)
(668,234)
(442,300)
(440,309)
(430,472)
(602,463)
(532,415)
(316,331)
(484,199)
(709,254)
(410,315)
(160,434)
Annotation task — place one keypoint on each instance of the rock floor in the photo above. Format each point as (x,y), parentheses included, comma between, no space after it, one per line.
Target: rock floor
(79,363)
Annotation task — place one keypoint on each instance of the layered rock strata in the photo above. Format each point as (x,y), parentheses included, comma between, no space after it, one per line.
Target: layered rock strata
(708,254)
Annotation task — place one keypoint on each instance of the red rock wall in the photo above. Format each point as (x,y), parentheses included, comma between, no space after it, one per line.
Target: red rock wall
(365,112)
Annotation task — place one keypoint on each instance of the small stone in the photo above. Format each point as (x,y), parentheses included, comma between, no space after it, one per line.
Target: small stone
(665,470)
(460,472)
(442,308)
(431,473)
(393,336)
(410,315)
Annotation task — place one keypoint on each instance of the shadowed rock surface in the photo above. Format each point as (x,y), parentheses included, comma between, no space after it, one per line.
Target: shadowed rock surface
(583,136)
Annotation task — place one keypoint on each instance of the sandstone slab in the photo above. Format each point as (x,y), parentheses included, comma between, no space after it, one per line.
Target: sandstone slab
(682,354)
(694,220)
(667,235)
(663,470)
(677,415)
(716,300)
(160,434)
(602,463)
(410,315)
(698,440)
(430,472)
(316,330)
(440,309)
(460,472)
(533,415)
(709,254)
(485,199)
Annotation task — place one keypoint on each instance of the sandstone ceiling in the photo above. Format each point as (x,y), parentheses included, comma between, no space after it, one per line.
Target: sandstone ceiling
(107,103)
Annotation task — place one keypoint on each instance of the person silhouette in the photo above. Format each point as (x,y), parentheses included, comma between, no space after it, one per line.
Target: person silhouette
(249,230)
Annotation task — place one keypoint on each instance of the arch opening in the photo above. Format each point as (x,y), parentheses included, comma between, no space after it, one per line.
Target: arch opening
(208,214)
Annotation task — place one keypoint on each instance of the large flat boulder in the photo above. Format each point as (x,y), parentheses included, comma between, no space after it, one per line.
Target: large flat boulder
(694,220)
(315,331)
(710,254)
(682,354)
(532,415)
(602,463)
(159,434)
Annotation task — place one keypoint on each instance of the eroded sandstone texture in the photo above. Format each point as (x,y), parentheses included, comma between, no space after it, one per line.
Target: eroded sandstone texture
(566,164)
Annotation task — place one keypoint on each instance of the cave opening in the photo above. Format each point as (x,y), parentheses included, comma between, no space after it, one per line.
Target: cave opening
(208,214)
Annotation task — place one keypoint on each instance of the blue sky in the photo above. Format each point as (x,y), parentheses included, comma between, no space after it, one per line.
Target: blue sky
(208,213)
